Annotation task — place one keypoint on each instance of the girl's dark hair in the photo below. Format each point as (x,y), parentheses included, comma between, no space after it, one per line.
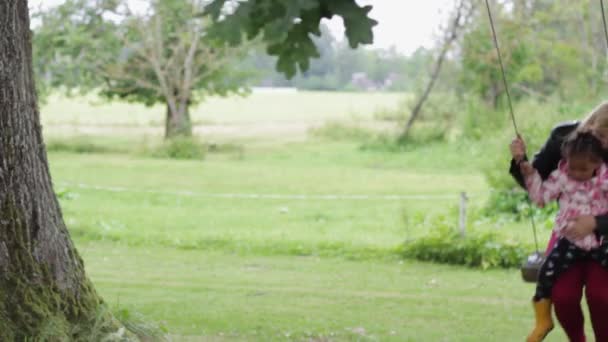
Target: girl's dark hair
(583,143)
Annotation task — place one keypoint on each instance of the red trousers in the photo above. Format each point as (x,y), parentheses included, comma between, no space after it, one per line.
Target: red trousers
(568,292)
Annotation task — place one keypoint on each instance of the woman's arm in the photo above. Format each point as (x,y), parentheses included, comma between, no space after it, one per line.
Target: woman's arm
(601,225)
(516,173)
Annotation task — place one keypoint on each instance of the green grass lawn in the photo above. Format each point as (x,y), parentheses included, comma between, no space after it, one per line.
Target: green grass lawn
(175,202)
(209,296)
(191,204)
(188,245)
(284,269)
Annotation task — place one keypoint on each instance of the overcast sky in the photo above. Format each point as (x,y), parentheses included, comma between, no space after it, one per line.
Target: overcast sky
(405,24)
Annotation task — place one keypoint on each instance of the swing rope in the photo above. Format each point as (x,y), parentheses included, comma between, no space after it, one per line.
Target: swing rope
(502,68)
(504,79)
(604,21)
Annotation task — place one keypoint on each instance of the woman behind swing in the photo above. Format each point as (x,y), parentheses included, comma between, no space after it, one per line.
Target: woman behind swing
(567,290)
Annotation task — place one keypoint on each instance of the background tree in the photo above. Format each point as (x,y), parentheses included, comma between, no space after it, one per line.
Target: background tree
(481,70)
(549,48)
(460,17)
(163,55)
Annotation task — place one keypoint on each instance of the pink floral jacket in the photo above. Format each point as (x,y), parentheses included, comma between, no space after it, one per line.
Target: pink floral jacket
(575,198)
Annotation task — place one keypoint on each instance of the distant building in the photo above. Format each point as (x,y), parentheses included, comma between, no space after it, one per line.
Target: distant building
(360,81)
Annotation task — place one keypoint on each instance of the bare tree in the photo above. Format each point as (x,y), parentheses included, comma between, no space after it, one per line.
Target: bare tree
(461,15)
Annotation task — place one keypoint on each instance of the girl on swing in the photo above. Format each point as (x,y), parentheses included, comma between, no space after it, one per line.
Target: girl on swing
(571,168)
(580,184)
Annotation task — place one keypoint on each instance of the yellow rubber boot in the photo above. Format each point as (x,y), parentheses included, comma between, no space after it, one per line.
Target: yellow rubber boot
(544,321)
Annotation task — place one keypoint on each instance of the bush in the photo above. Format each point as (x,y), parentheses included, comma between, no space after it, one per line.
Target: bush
(479,121)
(516,205)
(484,250)
(180,148)
(78,145)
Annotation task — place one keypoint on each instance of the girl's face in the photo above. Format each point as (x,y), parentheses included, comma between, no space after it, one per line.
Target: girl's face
(582,168)
(602,134)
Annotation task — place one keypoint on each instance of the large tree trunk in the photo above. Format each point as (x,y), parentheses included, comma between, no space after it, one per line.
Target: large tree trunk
(178,123)
(44,292)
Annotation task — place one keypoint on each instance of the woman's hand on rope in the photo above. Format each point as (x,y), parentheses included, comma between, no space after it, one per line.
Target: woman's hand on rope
(518,148)
(579,227)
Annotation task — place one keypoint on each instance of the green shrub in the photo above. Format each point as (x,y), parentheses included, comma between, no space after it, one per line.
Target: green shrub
(480,121)
(180,148)
(475,249)
(78,145)
(516,205)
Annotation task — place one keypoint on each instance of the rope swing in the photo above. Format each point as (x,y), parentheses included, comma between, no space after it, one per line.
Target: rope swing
(531,266)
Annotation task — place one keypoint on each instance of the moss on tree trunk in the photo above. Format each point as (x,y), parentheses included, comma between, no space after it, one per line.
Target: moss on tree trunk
(44,292)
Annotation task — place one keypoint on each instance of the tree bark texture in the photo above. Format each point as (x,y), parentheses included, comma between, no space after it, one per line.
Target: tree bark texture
(178,122)
(44,292)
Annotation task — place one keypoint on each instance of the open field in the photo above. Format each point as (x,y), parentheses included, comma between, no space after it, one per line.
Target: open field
(286,236)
